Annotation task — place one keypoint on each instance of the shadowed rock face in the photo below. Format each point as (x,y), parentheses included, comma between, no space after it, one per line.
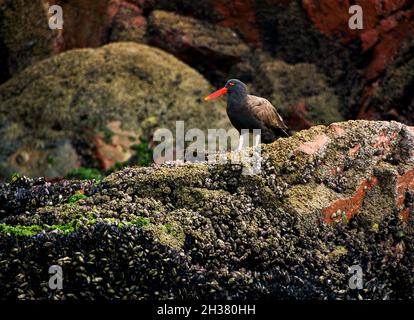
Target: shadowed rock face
(86,23)
(25,37)
(326,199)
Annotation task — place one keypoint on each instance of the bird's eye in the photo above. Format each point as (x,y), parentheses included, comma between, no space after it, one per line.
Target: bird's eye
(232,83)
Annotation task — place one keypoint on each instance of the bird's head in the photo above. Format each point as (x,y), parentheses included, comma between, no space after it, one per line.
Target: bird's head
(232,87)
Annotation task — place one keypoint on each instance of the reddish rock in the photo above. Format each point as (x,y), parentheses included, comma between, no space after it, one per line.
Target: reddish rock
(331,18)
(387,26)
(315,146)
(354,150)
(348,207)
(369,38)
(404,183)
(298,116)
(336,129)
(389,44)
(383,28)
(117,148)
(85,23)
(127,22)
(239,15)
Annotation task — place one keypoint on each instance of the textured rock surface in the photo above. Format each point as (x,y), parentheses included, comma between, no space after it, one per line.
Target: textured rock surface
(128,22)
(361,66)
(92,100)
(326,199)
(86,23)
(392,96)
(299,91)
(211,49)
(25,37)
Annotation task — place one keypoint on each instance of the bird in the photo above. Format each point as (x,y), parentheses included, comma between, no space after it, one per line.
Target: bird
(250,112)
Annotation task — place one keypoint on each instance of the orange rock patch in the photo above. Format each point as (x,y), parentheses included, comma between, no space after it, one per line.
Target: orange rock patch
(349,206)
(116,150)
(316,145)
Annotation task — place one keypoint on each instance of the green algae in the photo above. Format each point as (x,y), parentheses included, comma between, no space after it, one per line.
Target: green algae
(140,222)
(83,173)
(66,228)
(20,231)
(76,197)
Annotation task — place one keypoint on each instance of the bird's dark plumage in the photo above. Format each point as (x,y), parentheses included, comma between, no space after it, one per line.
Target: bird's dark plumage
(250,112)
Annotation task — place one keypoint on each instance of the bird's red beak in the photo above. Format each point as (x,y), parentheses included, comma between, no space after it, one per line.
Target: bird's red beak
(216,94)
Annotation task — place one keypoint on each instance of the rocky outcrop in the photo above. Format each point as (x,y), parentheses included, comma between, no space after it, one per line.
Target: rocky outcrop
(128,22)
(326,199)
(385,40)
(360,66)
(355,61)
(385,28)
(86,23)
(25,37)
(391,96)
(299,91)
(89,107)
(210,49)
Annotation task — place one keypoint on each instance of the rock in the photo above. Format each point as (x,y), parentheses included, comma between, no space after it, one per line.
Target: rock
(25,37)
(357,64)
(326,199)
(50,159)
(237,15)
(391,96)
(210,49)
(99,102)
(299,91)
(86,23)
(385,28)
(128,22)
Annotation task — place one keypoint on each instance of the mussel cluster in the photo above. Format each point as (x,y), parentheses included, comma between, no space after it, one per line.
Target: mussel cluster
(190,238)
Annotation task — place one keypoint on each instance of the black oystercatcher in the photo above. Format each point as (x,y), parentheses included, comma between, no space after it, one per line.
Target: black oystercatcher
(250,112)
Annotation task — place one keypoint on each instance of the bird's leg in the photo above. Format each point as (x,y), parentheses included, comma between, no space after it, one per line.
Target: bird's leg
(241,142)
(257,135)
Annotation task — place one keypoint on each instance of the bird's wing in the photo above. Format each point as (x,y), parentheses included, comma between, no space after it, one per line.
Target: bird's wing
(264,111)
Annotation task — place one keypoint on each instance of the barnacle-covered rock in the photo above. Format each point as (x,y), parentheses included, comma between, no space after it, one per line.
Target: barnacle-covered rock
(325,200)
